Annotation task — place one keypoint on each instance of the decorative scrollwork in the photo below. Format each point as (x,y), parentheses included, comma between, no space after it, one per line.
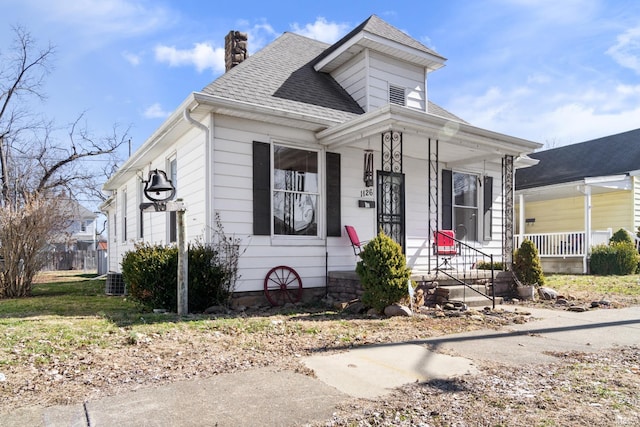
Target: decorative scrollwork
(392,151)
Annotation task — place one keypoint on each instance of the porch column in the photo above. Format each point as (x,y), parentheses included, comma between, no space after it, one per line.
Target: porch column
(587,227)
(508,216)
(521,221)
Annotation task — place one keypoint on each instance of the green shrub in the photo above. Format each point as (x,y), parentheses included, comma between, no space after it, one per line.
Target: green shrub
(383,272)
(486,265)
(617,258)
(620,236)
(207,278)
(151,275)
(526,264)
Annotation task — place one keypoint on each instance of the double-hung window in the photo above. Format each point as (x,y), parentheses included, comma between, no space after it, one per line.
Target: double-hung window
(465,205)
(295,191)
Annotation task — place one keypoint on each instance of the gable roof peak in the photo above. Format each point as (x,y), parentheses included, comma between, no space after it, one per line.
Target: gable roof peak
(376,34)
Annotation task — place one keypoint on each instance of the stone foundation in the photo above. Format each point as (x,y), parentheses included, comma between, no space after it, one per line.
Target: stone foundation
(344,286)
(258,299)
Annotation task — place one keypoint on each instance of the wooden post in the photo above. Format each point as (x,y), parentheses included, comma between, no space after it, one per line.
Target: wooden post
(183,264)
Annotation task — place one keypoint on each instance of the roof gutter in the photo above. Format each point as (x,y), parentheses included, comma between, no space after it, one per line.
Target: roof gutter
(225,103)
(214,104)
(402,118)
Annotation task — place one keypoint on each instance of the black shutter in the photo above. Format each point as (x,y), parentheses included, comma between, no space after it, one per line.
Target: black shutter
(334,226)
(447,200)
(261,189)
(487,204)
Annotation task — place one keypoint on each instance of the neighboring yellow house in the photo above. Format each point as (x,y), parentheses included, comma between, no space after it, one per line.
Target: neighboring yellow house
(576,197)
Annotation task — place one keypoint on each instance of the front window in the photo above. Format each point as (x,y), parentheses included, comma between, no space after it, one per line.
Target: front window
(295,191)
(465,206)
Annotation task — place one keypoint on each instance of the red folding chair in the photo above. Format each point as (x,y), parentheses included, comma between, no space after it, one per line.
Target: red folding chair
(445,245)
(356,243)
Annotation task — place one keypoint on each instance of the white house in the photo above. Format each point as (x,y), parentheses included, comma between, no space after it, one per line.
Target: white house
(302,138)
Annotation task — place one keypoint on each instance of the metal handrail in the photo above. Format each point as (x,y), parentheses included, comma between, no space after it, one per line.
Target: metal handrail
(471,257)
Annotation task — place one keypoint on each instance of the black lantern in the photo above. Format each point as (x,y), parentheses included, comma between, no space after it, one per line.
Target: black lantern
(158,188)
(368,168)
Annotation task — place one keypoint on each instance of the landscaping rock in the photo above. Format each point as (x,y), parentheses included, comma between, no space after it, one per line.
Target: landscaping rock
(397,310)
(355,307)
(547,293)
(577,309)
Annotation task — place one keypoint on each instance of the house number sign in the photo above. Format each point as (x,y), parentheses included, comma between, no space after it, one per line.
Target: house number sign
(367,193)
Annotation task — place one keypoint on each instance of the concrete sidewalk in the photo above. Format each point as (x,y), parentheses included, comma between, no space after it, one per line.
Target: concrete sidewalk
(264,397)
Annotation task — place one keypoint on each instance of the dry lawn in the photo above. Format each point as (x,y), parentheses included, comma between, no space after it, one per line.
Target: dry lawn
(64,359)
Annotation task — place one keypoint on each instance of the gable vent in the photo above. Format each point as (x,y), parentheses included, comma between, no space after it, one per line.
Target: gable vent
(396,95)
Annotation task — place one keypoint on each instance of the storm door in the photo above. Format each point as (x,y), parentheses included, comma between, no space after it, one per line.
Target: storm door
(391,218)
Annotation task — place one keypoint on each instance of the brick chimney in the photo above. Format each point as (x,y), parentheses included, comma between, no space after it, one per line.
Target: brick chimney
(235,49)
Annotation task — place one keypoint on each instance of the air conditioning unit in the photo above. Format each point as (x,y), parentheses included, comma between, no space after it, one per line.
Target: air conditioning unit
(115,284)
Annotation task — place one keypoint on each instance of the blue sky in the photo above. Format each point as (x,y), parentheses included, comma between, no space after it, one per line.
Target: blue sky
(555,72)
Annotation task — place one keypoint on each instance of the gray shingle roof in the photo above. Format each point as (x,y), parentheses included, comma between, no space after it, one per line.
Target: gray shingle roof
(610,155)
(377,26)
(281,75)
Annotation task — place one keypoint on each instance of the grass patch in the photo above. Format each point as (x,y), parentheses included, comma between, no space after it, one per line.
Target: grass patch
(75,298)
(604,285)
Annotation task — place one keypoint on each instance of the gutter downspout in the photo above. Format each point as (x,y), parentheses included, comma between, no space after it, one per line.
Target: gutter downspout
(207,171)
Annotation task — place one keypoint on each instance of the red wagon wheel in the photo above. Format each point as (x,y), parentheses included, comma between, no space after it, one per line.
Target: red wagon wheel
(282,285)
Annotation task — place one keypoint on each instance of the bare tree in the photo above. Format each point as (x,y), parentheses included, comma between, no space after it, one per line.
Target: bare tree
(39,172)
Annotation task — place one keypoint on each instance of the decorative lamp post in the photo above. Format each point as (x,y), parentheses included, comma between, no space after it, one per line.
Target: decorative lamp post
(160,190)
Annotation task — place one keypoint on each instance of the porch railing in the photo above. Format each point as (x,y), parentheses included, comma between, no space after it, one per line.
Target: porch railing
(469,267)
(565,244)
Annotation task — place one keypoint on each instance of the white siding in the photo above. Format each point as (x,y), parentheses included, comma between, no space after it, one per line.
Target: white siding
(353,78)
(232,199)
(384,71)
(367,77)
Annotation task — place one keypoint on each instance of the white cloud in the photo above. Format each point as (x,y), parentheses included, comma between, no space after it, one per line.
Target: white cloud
(626,51)
(115,18)
(155,111)
(203,56)
(321,29)
(573,114)
(132,58)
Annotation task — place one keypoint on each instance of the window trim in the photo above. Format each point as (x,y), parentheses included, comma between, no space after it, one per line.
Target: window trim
(319,211)
(125,206)
(476,207)
(172,174)
(141,199)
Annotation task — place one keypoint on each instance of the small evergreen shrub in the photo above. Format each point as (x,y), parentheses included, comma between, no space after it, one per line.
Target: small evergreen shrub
(383,272)
(616,258)
(526,264)
(620,236)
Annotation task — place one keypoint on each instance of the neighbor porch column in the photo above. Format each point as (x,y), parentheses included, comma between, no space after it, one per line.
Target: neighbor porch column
(587,227)
(521,221)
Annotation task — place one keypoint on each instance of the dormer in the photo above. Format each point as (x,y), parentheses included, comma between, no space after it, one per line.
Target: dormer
(377,64)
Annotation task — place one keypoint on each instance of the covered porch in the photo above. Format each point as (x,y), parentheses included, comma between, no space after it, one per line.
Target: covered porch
(424,173)
(574,217)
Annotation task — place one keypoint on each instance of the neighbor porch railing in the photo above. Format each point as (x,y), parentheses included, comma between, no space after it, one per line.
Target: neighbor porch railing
(565,244)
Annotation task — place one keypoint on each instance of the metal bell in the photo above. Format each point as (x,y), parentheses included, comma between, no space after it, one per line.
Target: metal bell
(158,182)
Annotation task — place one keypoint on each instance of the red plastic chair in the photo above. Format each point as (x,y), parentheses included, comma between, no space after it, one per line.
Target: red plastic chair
(356,243)
(445,245)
